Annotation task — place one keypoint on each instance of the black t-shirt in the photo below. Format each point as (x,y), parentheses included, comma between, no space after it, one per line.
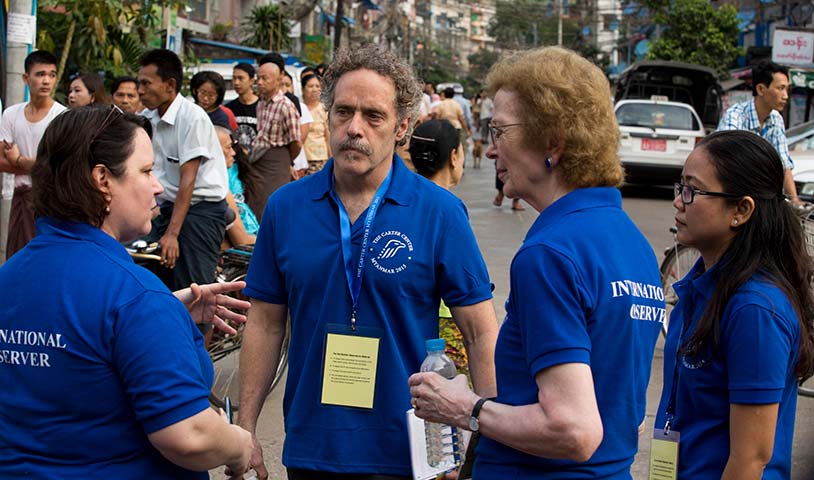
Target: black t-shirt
(246,117)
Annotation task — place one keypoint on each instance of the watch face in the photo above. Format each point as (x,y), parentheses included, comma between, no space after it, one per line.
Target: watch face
(473,424)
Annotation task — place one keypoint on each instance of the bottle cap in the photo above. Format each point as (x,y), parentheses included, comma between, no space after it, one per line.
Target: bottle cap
(436,345)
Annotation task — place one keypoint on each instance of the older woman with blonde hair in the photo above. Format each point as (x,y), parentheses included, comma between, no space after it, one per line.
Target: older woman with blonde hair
(582,318)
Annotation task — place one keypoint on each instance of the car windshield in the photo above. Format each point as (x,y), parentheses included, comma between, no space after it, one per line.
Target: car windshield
(655,115)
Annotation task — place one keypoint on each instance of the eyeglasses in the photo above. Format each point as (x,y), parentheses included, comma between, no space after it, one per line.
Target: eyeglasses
(204,94)
(115,112)
(688,193)
(497,131)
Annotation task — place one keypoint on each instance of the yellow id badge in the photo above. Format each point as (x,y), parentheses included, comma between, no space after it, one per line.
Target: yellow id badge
(349,372)
(664,455)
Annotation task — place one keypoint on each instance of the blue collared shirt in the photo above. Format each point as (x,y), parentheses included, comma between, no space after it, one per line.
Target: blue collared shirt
(585,288)
(753,364)
(95,354)
(421,249)
(743,116)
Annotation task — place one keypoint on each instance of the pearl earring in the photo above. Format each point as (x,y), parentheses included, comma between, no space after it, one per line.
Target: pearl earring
(734,222)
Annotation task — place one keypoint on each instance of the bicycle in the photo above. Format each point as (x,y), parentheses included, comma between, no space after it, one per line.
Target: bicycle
(678,260)
(223,349)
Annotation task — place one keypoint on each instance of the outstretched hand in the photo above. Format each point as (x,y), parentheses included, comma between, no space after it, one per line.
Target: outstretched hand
(210,304)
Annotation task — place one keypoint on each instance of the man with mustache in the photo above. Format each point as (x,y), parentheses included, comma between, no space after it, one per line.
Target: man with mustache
(360,254)
(761,115)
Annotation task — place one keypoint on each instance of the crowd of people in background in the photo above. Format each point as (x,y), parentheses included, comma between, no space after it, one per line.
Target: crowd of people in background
(361,250)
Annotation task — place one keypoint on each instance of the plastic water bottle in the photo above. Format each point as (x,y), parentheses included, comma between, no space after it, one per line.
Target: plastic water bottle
(440,437)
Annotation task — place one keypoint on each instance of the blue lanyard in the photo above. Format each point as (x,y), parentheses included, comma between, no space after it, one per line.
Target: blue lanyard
(355,279)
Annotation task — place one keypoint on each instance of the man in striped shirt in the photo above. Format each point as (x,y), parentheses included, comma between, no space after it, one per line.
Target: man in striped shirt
(278,134)
(761,115)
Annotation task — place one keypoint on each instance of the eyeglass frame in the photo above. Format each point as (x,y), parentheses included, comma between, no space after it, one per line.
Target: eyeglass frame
(497,131)
(109,119)
(679,189)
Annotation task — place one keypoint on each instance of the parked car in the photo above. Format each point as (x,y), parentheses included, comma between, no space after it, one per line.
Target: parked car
(688,83)
(656,136)
(801,148)
(459,89)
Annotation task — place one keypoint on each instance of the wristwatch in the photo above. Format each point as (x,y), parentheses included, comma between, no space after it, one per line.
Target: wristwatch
(474,425)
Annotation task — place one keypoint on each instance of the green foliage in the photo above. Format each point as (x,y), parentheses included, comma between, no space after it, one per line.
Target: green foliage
(105,36)
(520,24)
(434,64)
(697,32)
(268,28)
(479,64)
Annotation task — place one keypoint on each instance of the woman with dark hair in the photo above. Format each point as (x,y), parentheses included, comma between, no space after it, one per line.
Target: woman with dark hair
(112,358)
(740,336)
(243,230)
(437,154)
(208,89)
(85,89)
(317,144)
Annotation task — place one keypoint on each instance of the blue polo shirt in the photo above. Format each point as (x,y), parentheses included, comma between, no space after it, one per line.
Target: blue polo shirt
(421,249)
(753,364)
(95,354)
(585,288)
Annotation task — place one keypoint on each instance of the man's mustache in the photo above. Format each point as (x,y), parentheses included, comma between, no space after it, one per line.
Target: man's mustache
(355,144)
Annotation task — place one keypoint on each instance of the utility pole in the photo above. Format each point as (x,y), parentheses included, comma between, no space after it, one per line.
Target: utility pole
(15,93)
(340,12)
(15,56)
(559,23)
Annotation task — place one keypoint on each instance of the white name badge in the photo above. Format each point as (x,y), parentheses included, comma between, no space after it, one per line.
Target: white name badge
(349,370)
(664,455)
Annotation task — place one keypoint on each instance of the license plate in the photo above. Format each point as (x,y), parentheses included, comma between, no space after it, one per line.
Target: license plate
(654,145)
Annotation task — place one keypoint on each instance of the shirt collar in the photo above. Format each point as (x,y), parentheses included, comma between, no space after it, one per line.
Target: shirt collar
(172,112)
(754,121)
(400,191)
(580,199)
(274,98)
(82,232)
(697,282)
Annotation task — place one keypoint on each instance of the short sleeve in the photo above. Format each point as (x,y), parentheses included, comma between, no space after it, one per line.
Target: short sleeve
(291,123)
(306,114)
(264,281)
(463,278)
(6,127)
(731,120)
(196,139)
(550,304)
(782,145)
(758,345)
(158,358)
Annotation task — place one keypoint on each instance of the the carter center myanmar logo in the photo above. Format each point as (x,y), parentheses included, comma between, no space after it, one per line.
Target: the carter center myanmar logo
(391,251)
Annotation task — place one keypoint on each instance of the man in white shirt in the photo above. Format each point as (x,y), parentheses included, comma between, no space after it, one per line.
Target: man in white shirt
(189,164)
(21,129)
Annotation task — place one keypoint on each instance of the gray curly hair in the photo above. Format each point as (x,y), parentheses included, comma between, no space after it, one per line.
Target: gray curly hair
(386,64)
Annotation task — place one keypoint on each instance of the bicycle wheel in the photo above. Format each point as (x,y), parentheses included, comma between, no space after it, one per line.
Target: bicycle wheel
(224,350)
(806,389)
(673,268)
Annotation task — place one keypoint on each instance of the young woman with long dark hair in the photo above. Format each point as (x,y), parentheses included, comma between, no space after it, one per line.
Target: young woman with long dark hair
(740,336)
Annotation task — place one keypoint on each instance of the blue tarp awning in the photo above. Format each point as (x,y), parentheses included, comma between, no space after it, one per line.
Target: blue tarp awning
(327,17)
(368,4)
(289,59)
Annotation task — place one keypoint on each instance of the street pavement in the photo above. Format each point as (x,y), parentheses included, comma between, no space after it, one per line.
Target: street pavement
(500,231)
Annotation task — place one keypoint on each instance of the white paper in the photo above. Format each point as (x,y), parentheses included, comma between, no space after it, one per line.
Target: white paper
(21,28)
(418,451)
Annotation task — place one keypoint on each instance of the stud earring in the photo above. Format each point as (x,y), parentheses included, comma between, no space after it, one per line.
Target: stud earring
(734,222)
(548,163)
